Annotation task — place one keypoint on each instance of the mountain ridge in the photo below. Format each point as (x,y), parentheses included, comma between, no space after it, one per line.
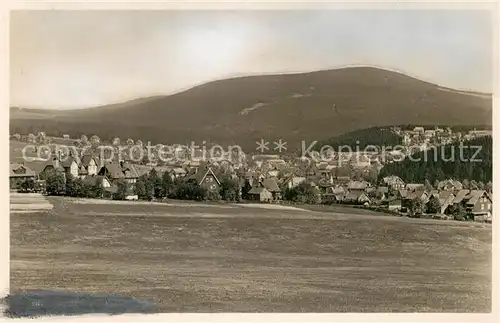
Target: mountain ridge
(310,105)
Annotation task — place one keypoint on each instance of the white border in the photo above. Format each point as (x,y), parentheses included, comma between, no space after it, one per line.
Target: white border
(260,5)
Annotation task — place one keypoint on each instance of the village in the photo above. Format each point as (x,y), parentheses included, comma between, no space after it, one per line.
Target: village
(346,179)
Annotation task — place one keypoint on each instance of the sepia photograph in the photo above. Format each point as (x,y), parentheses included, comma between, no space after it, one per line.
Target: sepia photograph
(311,160)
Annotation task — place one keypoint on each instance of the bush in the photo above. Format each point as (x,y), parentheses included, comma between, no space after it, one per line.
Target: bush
(28,185)
(55,183)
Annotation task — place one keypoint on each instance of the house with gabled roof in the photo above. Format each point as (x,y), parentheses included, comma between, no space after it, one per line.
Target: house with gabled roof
(450,185)
(271,185)
(90,164)
(357,197)
(394,182)
(478,203)
(205,177)
(19,173)
(446,199)
(460,196)
(119,171)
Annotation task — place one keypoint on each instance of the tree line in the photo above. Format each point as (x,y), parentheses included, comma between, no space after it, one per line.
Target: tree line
(471,161)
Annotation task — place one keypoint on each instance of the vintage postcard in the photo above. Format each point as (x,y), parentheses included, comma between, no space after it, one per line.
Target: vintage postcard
(291,158)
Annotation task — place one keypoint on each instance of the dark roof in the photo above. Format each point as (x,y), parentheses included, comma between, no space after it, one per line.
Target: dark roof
(67,161)
(114,170)
(93,180)
(460,196)
(87,158)
(271,185)
(20,170)
(257,190)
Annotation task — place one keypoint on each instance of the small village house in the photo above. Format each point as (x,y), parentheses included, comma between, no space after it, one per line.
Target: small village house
(393,182)
(357,197)
(272,186)
(19,173)
(260,194)
(205,177)
(479,204)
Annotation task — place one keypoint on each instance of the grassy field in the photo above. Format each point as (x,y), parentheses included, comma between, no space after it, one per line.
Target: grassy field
(195,258)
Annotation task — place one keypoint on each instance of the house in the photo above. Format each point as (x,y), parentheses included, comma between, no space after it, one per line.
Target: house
(357,197)
(119,171)
(419,130)
(450,185)
(333,194)
(478,203)
(394,205)
(66,137)
(357,185)
(394,182)
(260,193)
(420,194)
(460,196)
(205,177)
(91,164)
(19,173)
(94,180)
(51,165)
(402,194)
(272,186)
(382,193)
(70,166)
(445,199)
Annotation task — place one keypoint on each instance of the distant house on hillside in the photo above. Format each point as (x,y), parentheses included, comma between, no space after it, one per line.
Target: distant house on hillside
(450,185)
(394,182)
(419,130)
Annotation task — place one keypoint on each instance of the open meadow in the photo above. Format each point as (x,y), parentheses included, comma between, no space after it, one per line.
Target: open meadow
(196,258)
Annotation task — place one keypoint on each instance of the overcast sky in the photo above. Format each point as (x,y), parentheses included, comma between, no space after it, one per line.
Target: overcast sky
(63,59)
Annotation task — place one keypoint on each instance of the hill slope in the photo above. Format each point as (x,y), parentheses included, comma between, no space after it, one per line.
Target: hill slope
(307,106)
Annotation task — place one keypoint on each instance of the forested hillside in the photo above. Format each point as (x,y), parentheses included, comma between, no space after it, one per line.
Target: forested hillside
(472,161)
